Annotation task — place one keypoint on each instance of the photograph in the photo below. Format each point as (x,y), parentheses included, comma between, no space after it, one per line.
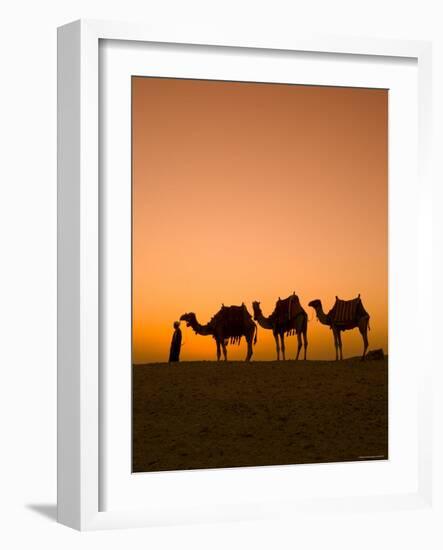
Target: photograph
(259,274)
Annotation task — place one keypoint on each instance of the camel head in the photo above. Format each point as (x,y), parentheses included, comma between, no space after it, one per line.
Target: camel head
(315,303)
(189,318)
(256,308)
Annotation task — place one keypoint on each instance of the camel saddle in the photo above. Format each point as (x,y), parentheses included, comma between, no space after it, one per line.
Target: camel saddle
(233,317)
(347,311)
(286,309)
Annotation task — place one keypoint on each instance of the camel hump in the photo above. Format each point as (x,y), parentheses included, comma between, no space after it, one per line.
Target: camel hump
(347,311)
(232,321)
(232,313)
(287,309)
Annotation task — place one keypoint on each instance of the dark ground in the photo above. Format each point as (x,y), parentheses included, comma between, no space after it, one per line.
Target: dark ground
(215,415)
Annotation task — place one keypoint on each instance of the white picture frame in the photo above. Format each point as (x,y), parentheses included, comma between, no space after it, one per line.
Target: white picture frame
(80,436)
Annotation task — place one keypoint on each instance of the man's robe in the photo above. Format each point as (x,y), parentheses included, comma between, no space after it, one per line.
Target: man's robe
(176,343)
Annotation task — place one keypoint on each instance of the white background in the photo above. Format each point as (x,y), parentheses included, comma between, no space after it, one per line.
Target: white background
(28,275)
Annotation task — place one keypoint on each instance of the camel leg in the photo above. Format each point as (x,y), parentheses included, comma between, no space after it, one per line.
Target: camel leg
(225,352)
(218,350)
(334,332)
(282,338)
(298,345)
(305,342)
(364,334)
(340,344)
(277,345)
(249,352)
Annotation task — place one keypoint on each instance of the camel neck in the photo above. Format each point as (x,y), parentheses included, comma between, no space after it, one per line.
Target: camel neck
(263,321)
(203,330)
(321,315)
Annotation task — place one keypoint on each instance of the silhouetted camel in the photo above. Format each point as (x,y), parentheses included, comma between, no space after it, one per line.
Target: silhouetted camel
(288,318)
(230,323)
(345,315)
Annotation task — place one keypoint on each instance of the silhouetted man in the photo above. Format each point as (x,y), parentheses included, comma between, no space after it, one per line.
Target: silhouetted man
(176,344)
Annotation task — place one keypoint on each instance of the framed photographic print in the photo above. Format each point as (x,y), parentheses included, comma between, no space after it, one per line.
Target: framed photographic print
(242,256)
(254,183)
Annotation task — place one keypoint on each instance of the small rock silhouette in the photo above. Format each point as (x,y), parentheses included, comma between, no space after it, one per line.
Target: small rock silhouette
(375,355)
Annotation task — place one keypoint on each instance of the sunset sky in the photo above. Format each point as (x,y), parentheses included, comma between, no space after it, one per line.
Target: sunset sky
(249,191)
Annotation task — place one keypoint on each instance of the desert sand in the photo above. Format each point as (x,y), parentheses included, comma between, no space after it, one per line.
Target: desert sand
(193,415)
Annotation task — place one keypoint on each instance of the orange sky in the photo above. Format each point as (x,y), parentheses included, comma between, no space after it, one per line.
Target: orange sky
(246,191)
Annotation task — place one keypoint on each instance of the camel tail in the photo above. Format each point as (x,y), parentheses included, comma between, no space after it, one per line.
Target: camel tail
(255,336)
